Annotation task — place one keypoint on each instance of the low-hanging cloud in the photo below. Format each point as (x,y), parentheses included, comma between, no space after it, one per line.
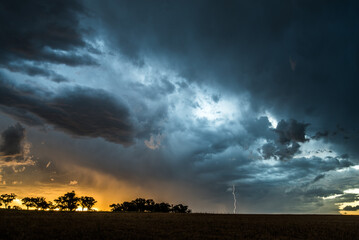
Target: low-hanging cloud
(351,208)
(36,71)
(79,111)
(285,145)
(291,131)
(12,138)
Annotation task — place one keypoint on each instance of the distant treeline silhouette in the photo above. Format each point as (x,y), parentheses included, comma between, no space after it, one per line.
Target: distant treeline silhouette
(148,205)
(68,202)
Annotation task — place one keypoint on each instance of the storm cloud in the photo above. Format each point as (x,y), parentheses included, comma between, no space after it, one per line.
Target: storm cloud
(78,111)
(28,42)
(285,145)
(36,71)
(351,208)
(11,144)
(197,95)
(291,131)
(253,45)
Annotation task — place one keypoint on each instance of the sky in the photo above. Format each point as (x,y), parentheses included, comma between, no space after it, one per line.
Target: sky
(182,101)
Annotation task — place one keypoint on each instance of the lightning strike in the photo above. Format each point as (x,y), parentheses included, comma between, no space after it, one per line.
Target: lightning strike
(234,199)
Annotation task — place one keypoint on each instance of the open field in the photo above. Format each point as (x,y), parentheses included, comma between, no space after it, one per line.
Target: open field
(104,225)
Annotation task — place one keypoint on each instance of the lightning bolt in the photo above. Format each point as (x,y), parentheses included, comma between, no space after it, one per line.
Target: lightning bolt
(234,199)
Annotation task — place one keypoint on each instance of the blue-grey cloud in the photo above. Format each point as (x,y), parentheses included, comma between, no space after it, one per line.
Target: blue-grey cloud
(27,37)
(287,60)
(35,71)
(291,131)
(351,208)
(225,45)
(80,111)
(11,140)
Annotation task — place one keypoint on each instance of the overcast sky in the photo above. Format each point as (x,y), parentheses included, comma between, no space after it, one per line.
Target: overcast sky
(181,101)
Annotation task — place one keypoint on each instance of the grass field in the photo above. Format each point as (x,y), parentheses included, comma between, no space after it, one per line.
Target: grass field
(104,225)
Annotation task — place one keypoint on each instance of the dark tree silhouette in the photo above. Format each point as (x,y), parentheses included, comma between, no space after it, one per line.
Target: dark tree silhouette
(87,202)
(143,205)
(69,201)
(116,207)
(180,208)
(149,207)
(162,207)
(140,204)
(129,207)
(41,203)
(52,206)
(36,202)
(7,198)
(28,202)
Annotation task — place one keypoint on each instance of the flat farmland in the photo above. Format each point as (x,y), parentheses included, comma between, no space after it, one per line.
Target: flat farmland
(105,225)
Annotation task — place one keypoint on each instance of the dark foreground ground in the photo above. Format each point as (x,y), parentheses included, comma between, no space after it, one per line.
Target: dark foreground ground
(63,225)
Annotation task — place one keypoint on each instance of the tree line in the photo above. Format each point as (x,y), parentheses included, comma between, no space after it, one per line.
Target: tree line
(68,202)
(148,205)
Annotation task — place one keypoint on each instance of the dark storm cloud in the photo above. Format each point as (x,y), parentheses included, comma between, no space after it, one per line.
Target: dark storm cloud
(161,87)
(259,128)
(351,208)
(22,115)
(42,32)
(286,152)
(299,59)
(256,181)
(320,192)
(79,111)
(257,184)
(11,140)
(348,197)
(279,151)
(216,141)
(314,165)
(291,131)
(268,150)
(88,112)
(295,59)
(319,177)
(320,135)
(36,71)
(285,145)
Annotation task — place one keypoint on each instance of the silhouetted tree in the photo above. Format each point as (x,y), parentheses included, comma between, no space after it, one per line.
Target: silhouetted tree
(116,207)
(129,207)
(28,202)
(137,205)
(52,206)
(69,201)
(41,203)
(150,205)
(162,207)
(7,198)
(140,204)
(87,202)
(180,208)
